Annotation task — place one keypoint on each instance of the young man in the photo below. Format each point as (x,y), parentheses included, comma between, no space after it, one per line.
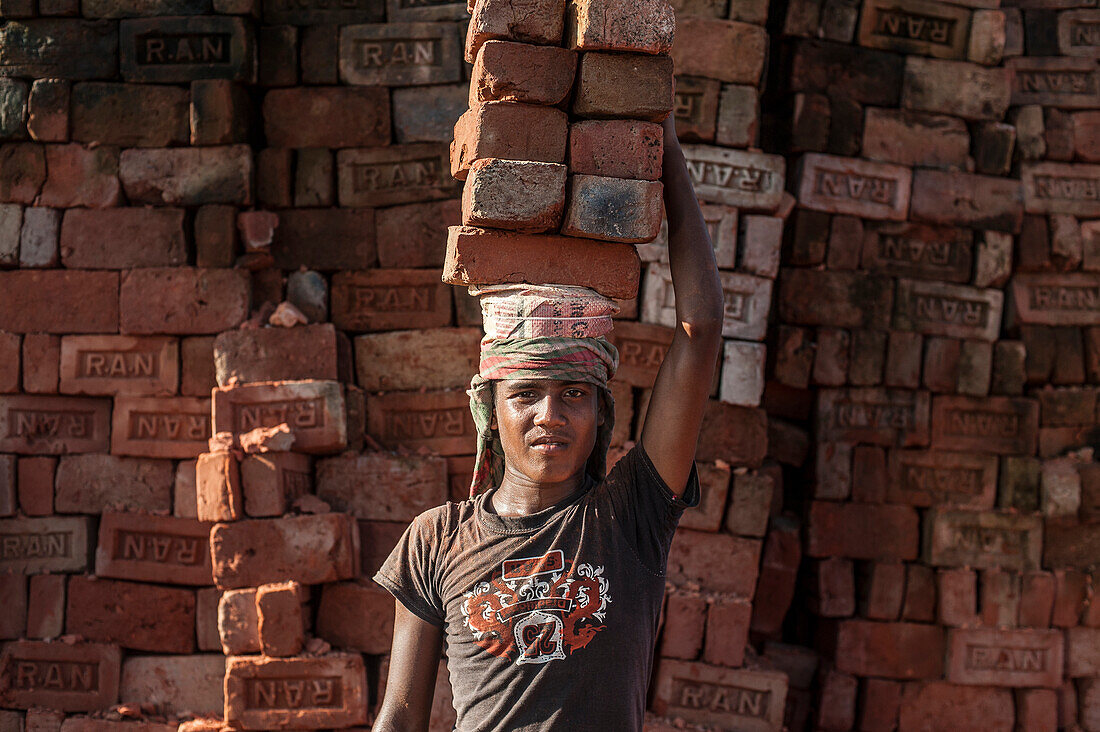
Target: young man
(547,586)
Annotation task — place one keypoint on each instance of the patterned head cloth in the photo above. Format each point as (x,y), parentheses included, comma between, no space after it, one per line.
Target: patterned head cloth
(591,360)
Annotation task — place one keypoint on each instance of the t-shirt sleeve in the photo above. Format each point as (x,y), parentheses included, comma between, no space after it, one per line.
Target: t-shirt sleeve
(409,573)
(645,507)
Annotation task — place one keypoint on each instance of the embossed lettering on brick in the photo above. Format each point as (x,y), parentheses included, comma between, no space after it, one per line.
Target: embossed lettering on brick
(982,539)
(915,26)
(1002,657)
(395,174)
(864,188)
(999,425)
(748,180)
(39,545)
(938,477)
(45,425)
(877,416)
(732,698)
(166,427)
(917,250)
(957,311)
(119,365)
(154,549)
(400,54)
(1061,188)
(80,677)
(1055,299)
(186,48)
(1067,82)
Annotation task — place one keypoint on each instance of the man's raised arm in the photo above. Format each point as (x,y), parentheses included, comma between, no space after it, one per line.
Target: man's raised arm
(683,383)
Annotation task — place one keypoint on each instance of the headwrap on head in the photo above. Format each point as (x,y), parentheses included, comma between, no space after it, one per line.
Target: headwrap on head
(591,360)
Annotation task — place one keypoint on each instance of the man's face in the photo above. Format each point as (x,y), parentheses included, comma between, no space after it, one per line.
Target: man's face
(547,428)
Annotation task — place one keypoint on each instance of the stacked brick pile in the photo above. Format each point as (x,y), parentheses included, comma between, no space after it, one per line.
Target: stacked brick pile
(937,282)
(218,218)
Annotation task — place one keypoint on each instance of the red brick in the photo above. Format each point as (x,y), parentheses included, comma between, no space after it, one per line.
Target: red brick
(836,708)
(37,425)
(750,506)
(746,179)
(642,349)
(540,23)
(94,483)
(13,587)
(109,365)
(389,300)
(35,485)
(325,239)
(276,354)
(964,199)
(879,702)
(1089,703)
(207,600)
(380,487)
(90,724)
(915,138)
(1000,598)
(613,209)
(315,411)
(746,302)
(920,594)
(642,26)
(930,477)
(22,172)
(717,562)
(999,425)
(778,573)
(281,626)
(409,236)
(519,72)
(121,238)
(856,187)
(836,299)
(238,622)
(1070,593)
(982,539)
(862,531)
(187,176)
(940,705)
(81,176)
(616,149)
(176,684)
(503,130)
(164,427)
(941,364)
(138,616)
(1037,709)
(520,195)
(956,311)
(890,650)
(59,301)
(833,593)
(48,108)
(727,632)
(309,549)
(737,435)
(883,590)
(903,359)
(336,695)
(726,50)
(685,617)
(761,237)
(218,487)
(271,482)
(219,112)
(9,362)
(46,605)
(610,269)
(1005,657)
(44,675)
(332,117)
(129,115)
(197,370)
(342,609)
(378,538)
(831,358)
(793,356)
(1082,652)
(869,476)
(711,695)
(26,539)
(439,421)
(624,85)
(1037,593)
(183,300)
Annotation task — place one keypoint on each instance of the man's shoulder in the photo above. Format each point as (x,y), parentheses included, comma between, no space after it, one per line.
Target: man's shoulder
(444,519)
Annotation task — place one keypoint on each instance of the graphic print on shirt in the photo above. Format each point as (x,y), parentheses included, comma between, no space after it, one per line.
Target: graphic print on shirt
(538,609)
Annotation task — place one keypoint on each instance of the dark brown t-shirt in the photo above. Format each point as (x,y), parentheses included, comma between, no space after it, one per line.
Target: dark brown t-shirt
(550,619)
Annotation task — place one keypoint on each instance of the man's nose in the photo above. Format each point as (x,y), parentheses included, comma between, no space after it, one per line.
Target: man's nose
(549,412)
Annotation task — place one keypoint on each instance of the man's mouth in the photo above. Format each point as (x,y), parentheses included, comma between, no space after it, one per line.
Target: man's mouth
(549,443)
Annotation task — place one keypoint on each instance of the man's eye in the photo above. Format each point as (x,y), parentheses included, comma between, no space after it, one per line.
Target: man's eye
(575,392)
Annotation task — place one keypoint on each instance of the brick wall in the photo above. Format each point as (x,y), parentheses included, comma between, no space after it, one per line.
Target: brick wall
(218,218)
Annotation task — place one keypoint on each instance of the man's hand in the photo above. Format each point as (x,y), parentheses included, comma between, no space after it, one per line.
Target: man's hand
(414,661)
(680,393)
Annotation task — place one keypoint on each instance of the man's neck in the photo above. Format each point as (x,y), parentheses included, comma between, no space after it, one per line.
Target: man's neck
(519,496)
